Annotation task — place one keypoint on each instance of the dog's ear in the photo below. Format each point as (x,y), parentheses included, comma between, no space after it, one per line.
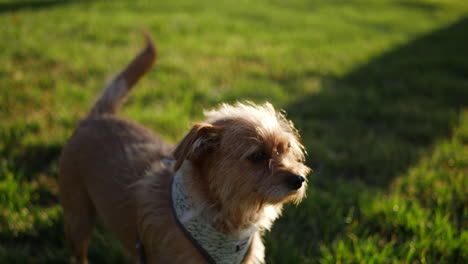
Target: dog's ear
(201,140)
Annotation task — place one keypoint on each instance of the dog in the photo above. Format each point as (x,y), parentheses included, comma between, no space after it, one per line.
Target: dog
(208,199)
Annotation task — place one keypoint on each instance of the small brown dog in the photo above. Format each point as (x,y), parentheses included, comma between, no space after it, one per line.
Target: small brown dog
(208,200)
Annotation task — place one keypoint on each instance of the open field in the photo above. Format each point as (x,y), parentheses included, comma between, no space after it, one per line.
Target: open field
(378,88)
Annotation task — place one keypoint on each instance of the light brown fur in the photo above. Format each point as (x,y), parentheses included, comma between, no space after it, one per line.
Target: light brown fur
(113,168)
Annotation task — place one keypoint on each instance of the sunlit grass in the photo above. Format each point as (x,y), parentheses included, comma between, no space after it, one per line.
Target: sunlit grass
(378,89)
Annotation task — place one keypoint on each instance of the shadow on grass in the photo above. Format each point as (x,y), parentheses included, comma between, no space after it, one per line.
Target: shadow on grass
(28,160)
(34,165)
(14,6)
(45,243)
(375,122)
(366,128)
(37,159)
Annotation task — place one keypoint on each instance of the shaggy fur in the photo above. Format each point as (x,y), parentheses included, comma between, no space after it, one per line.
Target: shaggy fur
(240,166)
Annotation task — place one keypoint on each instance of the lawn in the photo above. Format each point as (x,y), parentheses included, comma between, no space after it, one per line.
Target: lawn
(378,89)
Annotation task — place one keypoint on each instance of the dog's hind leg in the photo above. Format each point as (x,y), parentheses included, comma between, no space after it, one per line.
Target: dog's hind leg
(79,221)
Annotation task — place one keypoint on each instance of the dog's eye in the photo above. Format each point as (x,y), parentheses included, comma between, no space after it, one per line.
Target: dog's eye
(258,156)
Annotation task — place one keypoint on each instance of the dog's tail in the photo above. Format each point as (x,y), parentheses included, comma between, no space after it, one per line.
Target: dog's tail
(118,88)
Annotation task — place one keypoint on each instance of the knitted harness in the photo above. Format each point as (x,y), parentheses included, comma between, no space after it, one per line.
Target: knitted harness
(215,246)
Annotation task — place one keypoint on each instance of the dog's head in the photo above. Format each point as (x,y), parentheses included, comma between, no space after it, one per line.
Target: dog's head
(246,153)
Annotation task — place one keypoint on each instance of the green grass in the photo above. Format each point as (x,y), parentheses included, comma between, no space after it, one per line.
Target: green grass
(378,88)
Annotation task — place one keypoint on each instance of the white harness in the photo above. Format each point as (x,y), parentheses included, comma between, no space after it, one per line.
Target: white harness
(216,246)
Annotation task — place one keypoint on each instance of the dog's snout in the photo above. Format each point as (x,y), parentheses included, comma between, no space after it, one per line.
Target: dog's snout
(295,181)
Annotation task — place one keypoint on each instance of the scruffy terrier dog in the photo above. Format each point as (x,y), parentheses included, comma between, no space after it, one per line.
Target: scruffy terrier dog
(206,200)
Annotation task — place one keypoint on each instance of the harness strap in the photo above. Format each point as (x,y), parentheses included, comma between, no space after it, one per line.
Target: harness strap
(141,250)
(205,254)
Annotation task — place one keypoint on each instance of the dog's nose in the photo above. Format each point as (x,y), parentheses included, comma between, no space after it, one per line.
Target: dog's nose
(295,181)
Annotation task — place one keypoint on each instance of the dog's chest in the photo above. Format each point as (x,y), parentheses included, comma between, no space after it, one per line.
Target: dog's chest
(216,246)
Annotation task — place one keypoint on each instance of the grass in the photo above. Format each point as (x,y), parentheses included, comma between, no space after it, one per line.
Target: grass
(378,88)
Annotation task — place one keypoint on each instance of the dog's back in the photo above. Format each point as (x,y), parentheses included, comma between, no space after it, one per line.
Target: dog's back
(102,160)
